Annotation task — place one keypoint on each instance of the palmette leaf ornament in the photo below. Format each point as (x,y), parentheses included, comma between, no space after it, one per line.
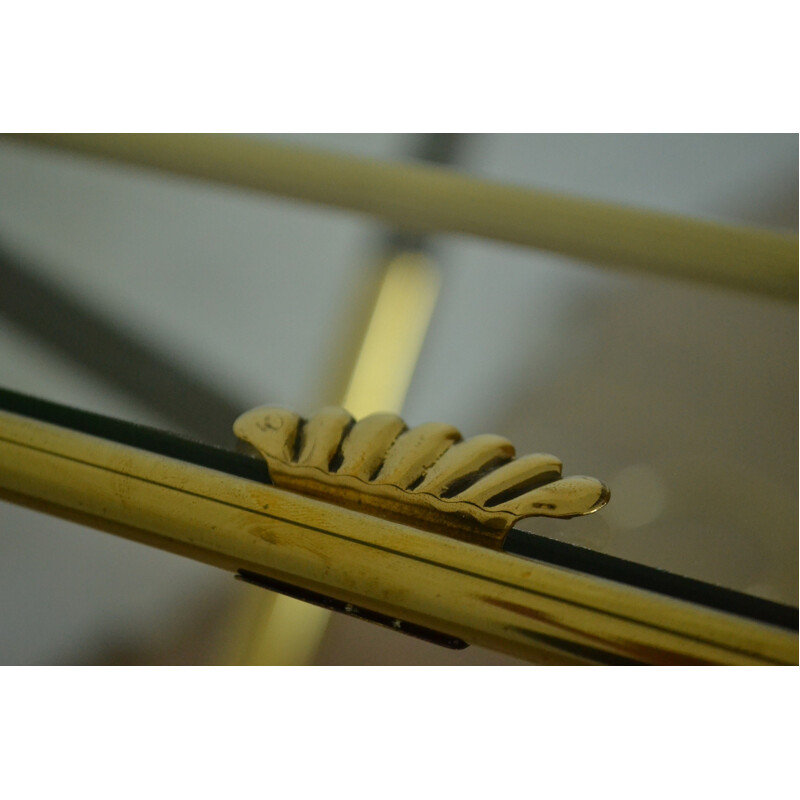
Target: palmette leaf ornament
(428,476)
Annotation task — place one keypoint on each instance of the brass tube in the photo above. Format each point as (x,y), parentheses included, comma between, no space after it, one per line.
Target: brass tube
(427,199)
(526,608)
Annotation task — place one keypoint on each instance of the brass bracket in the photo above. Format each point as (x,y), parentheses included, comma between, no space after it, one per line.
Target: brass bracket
(324,601)
(473,490)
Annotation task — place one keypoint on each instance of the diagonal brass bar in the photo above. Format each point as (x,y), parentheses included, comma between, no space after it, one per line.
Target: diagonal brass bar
(427,199)
(287,631)
(525,608)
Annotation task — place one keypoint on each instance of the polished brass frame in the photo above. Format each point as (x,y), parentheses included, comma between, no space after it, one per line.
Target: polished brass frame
(523,608)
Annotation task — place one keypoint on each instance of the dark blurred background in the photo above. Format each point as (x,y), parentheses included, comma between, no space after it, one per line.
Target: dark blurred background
(180,304)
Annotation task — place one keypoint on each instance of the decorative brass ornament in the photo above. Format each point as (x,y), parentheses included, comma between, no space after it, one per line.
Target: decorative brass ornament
(425,476)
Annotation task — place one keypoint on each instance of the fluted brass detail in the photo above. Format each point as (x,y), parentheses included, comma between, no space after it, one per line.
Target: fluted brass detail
(425,476)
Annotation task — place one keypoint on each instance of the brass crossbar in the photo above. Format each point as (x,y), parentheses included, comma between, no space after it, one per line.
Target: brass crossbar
(434,199)
(527,608)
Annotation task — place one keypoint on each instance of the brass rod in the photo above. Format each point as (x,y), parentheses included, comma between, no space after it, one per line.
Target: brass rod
(525,608)
(287,631)
(434,199)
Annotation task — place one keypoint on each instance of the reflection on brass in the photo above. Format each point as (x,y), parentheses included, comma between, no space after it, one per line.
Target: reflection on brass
(425,476)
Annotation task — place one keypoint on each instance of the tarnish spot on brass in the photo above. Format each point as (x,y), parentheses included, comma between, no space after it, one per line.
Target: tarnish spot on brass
(426,476)
(636,651)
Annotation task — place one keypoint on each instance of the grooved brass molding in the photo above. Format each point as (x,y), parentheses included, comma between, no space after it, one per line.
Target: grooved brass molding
(524,607)
(427,476)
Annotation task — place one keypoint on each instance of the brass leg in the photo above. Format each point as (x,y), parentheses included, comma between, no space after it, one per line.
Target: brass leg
(272,629)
